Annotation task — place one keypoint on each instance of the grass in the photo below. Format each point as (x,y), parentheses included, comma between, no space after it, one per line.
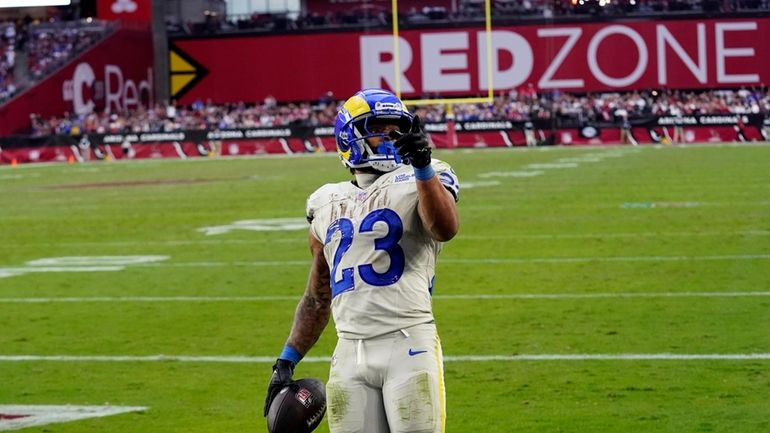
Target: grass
(641,221)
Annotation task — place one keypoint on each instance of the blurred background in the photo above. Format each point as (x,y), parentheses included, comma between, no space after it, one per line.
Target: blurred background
(203,77)
(610,274)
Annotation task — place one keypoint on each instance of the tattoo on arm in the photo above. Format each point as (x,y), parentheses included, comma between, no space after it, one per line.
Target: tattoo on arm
(314,308)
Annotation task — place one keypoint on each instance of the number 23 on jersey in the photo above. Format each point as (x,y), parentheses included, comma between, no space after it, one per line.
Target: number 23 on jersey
(388,245)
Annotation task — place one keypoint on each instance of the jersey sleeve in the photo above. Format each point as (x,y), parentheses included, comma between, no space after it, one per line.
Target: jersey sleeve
(315,201)
(447,177)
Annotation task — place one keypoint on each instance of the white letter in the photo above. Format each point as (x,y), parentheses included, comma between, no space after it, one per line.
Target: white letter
(593,64)
(434,62)
(573,34)
(699,70)
(113,97)
(83,75)
(131,99)
(522,59)
(374,70)
(722,53)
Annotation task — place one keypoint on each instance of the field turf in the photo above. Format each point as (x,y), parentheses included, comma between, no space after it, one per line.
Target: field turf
(618,290)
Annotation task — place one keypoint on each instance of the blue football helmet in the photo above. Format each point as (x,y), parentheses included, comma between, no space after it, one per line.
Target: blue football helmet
(355,123)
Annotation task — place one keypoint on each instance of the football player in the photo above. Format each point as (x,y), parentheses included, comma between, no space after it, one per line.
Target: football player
(374,242)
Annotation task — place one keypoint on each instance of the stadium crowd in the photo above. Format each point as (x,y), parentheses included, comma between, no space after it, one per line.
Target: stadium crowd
(527,104)
(519,105)
(370,15)
(7,59)
(50,46)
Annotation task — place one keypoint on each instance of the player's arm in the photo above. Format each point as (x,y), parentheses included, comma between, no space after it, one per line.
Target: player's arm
(310,319)
(435,204)
(314,308)
(437,209)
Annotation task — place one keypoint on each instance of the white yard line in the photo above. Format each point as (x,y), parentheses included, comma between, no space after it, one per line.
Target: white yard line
(150,299)
(40,415)
(449,297)
(605,295)
(213,264)
(494,261)
(260,240)
(660,206)
(450,358)
(474,261)
(536,169)
(303,239)
(616,235)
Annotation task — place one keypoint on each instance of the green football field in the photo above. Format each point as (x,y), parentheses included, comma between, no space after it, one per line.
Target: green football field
(615,289)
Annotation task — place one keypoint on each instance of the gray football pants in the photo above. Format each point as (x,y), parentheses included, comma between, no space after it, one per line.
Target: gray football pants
(389,384)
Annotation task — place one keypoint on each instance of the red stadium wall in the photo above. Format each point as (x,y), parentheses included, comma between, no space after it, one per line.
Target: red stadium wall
(113,75)
(708,53)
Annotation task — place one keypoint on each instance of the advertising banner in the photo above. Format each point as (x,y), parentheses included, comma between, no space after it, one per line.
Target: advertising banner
(70,149)
(438,131)
(115,75)
(687,54)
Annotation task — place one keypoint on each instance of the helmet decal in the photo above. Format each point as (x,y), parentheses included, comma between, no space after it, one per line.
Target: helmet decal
(356,106)
(354,124)
(388,106)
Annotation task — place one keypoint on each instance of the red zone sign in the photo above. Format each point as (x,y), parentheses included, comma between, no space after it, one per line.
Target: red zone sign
(708,53)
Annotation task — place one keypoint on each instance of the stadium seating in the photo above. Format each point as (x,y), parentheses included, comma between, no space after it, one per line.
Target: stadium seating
(8,40)
(466,11)
(51,45)
(46,46)
(518,105)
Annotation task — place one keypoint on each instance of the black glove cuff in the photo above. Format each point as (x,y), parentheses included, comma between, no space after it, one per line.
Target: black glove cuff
(283,364)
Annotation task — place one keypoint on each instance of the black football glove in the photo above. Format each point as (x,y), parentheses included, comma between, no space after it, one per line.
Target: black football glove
(283,371)
(413,147)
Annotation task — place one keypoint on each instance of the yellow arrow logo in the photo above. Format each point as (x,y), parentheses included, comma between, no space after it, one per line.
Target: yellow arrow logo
(184,72)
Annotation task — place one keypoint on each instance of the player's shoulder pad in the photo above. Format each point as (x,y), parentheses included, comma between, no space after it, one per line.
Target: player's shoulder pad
(447,177)
(319,198)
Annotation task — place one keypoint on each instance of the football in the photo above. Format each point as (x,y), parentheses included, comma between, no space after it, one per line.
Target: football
(298,408)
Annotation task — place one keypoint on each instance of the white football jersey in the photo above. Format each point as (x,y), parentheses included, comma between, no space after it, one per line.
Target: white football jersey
(380,257)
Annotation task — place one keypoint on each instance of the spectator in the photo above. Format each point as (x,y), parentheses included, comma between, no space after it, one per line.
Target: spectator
(517,106)
(368,15)
(50,46)
(7,60)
